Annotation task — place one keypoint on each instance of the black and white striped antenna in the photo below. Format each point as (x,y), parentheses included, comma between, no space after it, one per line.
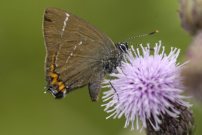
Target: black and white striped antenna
(143,35)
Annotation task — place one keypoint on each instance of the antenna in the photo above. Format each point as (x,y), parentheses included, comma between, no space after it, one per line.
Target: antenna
(143,35)
(154,32)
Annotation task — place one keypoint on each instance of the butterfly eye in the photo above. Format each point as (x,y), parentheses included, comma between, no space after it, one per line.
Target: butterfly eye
(123,47)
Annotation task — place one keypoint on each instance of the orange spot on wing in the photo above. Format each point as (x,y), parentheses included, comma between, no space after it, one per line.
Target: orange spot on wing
(55,78)
(61,87)
(53,75)
(52,67)
(54,81)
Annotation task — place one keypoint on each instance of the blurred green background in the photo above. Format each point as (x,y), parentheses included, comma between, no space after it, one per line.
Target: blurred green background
(25,109)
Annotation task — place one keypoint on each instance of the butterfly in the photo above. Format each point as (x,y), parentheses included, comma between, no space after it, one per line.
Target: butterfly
(77,54)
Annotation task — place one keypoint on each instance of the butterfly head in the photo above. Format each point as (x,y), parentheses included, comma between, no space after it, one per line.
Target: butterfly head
(122,46)
(111,62)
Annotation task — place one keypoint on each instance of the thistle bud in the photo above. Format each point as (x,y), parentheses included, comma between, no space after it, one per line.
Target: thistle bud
(191,15)
(193,72)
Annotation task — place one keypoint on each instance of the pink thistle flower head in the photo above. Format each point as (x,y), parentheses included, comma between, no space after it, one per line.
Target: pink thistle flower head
(146,87)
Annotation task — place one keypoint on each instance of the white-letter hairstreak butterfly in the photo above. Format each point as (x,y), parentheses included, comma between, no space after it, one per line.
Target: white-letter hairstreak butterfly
(77,54)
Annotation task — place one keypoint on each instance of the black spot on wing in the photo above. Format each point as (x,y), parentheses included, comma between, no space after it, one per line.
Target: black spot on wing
(47,19)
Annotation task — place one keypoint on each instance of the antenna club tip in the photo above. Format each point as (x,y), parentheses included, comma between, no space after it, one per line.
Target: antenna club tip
(154,32)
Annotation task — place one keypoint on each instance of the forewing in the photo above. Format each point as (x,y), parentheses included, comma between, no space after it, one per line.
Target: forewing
(52,34)
(75,47)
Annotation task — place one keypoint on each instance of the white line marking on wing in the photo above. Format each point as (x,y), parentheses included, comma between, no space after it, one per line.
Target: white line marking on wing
(65,23)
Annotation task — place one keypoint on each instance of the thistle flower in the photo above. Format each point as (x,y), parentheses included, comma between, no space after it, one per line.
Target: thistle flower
(147,87)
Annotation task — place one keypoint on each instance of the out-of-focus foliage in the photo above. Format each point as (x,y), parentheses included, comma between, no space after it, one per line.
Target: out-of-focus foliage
(25,109)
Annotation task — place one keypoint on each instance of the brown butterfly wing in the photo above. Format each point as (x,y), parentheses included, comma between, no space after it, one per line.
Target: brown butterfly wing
(75,50)
(51,35)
